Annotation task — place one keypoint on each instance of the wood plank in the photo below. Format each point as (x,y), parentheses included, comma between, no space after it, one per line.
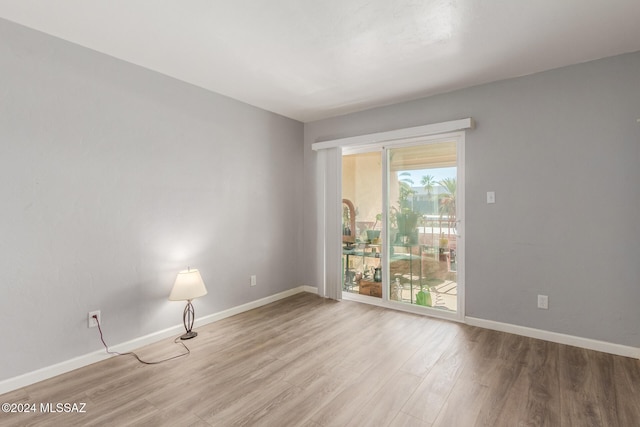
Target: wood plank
(626,374)
(436,341)
(463,406)
(340,410)
(384,405)
(578,400)
(405,420)
(534,397)
(432,394)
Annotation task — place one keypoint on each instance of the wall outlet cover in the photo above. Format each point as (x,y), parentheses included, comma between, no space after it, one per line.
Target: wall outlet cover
(91,322)
(543,302)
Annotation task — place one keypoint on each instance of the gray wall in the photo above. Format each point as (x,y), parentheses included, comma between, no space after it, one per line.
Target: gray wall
(561,149)
(112,179)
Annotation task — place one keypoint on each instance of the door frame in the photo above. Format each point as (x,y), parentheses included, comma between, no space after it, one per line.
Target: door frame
(330,180)
(383,147)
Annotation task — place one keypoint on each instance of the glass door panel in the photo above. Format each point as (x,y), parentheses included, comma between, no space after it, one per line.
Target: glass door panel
(362,223)
(421,221)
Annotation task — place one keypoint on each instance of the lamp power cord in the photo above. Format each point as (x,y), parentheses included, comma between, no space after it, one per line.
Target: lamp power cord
(130,353)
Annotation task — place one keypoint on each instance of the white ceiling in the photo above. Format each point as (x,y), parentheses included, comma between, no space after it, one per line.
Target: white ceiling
(312,59)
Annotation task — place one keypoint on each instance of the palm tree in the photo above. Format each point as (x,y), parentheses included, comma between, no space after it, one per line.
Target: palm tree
(405,216)
(428,182)
(448,201)
(406,190)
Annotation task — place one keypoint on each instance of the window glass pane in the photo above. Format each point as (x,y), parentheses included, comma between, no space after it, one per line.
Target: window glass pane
(362,223)
(421,224)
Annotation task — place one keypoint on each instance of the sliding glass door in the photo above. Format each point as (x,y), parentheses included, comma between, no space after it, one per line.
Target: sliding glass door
(362,223)
(401,224)
(422,225)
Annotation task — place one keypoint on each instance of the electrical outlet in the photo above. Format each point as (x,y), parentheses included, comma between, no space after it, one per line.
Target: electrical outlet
(253,280)
(91,322)
(543,302)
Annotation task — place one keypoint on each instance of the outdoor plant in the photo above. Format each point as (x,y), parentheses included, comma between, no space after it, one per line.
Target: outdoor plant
(448,201)
(406,217)
(373,233)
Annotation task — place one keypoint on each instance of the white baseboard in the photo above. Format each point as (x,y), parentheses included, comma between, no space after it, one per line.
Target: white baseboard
(42,374)
(310,289)
(603,346)
(205,320)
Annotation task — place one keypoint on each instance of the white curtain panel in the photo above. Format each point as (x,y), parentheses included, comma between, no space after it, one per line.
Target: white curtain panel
(329,221)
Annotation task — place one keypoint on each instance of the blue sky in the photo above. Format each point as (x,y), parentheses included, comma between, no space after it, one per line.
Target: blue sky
(437,173)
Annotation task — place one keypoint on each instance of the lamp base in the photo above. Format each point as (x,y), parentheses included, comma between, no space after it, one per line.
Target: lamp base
(187,318)
(189,335)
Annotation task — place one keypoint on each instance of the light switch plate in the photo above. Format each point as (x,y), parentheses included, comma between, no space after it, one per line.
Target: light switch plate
(491,196)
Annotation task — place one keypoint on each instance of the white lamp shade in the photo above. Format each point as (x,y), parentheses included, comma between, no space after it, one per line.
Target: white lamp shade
(189,285)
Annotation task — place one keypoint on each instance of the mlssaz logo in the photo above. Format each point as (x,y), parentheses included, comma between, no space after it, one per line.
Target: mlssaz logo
(50,407)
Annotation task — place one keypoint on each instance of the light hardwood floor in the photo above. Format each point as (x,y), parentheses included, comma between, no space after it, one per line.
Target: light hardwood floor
(307,361)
